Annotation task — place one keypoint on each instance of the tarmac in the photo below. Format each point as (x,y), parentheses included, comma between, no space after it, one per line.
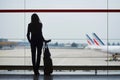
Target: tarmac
(73,57)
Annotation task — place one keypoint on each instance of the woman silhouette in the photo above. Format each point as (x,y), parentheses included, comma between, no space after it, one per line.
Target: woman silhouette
(36,39)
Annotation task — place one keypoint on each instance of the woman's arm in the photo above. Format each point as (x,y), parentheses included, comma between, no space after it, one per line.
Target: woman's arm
(28,34)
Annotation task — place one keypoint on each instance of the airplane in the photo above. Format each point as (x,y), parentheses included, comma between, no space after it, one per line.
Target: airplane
(97,43)
(91,43)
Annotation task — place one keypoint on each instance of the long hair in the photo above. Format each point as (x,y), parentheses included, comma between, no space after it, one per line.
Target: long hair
(35,18)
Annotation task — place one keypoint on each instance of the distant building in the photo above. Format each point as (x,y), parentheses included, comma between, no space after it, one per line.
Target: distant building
(5,44)
(3,40)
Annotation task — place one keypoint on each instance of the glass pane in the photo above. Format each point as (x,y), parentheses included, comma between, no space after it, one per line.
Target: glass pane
(69,45)
(12,25)
(113,33)
(71,25)
(12,39)
(114,4)
(11,4)
(113,28)
(68,33)
(56,4)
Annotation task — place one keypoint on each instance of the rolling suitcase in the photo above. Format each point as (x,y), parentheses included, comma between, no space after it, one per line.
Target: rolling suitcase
(48,65)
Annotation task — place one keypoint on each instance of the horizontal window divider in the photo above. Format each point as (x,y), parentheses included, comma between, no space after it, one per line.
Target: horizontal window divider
(59,10)
(61,67)
(53,57)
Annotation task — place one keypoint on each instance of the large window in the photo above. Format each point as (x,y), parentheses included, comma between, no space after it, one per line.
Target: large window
(67,30)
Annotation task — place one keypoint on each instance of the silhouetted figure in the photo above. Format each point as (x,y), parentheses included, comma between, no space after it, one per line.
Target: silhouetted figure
(36,39)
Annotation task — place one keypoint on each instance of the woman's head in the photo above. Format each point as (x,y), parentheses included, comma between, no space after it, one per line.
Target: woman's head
(35,18)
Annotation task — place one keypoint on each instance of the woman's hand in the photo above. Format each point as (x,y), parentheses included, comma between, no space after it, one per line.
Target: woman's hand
(46,41)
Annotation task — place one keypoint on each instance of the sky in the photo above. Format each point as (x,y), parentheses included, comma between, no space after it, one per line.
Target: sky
(61,25)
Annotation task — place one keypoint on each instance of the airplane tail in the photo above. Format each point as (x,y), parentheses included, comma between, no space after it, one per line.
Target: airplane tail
(89,40)
(97,40)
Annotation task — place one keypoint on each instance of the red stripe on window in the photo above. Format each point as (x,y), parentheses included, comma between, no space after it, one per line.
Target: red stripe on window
(58,10)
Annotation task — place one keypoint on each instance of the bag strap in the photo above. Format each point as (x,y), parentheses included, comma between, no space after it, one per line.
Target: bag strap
(45,45)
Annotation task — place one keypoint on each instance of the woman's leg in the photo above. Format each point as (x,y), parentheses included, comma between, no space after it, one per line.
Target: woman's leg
(33,51)
(39,51)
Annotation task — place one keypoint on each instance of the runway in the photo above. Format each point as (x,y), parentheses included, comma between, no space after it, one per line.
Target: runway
(20,56)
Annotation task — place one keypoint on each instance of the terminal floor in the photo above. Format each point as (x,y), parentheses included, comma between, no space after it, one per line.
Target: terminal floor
(58,77)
